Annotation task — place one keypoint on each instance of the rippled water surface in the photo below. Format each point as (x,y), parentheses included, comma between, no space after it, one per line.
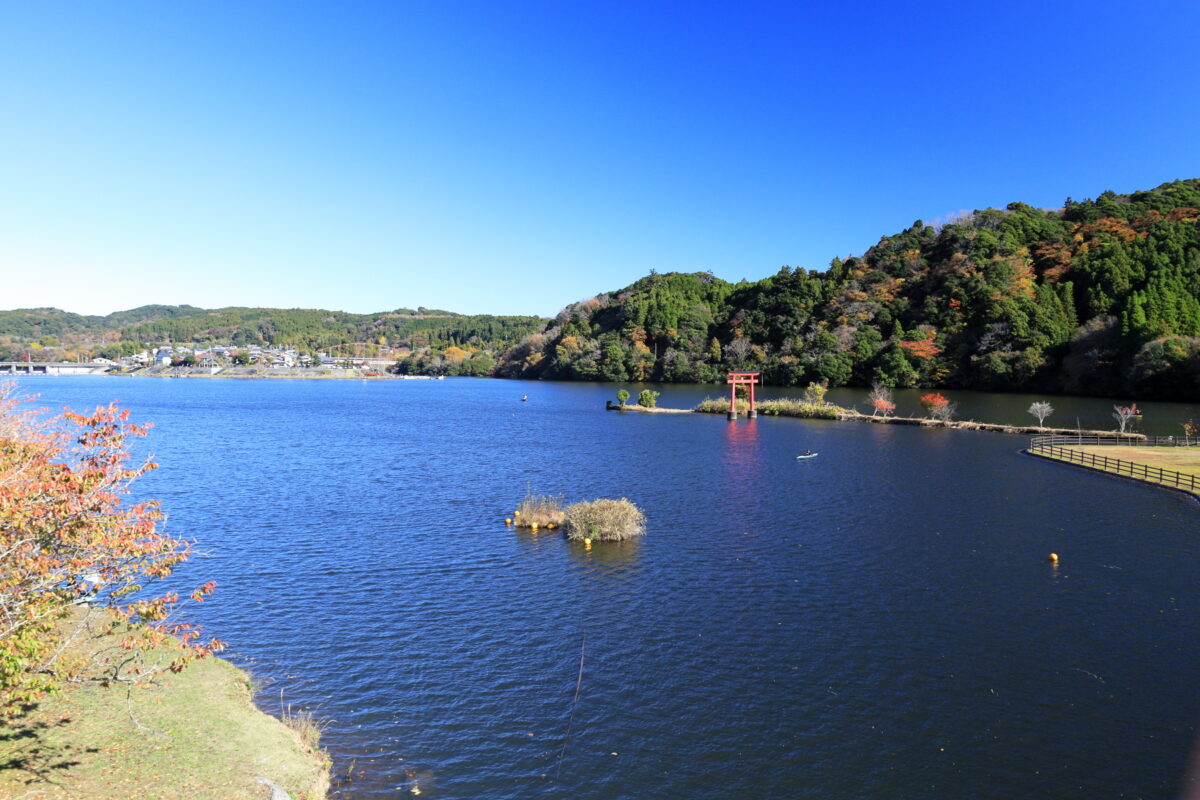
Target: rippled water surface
(878,622)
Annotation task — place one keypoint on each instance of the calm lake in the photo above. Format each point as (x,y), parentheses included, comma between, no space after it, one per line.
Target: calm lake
(878,622)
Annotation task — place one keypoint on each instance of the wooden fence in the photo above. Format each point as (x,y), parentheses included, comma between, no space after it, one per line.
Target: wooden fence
(1128,440)
(1059,447)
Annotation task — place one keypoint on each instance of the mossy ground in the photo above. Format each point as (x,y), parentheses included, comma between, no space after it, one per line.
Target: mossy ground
(194,734)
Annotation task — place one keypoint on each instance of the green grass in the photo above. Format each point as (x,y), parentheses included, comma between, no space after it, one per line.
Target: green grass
(1178,459)
(195,734)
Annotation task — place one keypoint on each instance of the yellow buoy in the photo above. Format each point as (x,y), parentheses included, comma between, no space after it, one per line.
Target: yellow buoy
(508,520)
(1054,558)
(533,526)
(516,513)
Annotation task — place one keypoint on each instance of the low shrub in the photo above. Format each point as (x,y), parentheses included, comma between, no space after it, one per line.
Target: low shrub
(814,394)
(648,398)
(721,406)
(604,521)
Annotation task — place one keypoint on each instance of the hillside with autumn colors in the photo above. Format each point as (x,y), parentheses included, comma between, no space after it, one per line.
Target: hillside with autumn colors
(1097,297)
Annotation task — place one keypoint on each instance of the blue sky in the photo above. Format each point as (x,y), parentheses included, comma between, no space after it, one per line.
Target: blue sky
(512,157)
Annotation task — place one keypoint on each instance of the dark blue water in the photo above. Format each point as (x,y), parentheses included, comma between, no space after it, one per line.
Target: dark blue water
(878,622)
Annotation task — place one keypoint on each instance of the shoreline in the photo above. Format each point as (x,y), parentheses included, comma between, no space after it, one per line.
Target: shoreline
(830,412)
(196,734)
(257,373)
(1137,461)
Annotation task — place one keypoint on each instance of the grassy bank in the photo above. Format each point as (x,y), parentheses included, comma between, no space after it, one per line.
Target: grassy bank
(195,734)
(1185,460)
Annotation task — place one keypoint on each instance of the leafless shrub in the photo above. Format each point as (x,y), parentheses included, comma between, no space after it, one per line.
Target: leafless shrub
(1041,410)
(881,399)
(944,411)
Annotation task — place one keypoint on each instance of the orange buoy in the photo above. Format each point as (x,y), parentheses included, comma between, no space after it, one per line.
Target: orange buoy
(1054,558)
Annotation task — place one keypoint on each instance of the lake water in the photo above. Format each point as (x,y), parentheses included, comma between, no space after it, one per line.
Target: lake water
(878,622)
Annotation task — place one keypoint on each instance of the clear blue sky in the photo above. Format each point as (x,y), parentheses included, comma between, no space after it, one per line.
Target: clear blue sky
(512,157)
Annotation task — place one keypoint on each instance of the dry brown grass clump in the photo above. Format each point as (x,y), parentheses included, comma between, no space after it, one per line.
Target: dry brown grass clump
(784,407)
(604,521)
(539,511)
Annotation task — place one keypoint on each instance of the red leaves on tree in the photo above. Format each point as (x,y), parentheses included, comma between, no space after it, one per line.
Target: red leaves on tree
(66,537)
(933,401)
(924,349)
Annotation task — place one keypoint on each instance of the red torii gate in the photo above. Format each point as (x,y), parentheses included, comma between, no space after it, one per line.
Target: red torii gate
(735,380)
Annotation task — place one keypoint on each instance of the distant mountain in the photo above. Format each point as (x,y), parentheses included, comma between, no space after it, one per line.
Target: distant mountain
(55,333)
(1098,297)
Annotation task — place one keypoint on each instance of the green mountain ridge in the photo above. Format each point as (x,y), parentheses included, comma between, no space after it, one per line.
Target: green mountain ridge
(56,333)
(1099,297)
(1096,297)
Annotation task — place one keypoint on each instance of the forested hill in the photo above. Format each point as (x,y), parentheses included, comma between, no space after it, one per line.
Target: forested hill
(1099,297)
(52,333)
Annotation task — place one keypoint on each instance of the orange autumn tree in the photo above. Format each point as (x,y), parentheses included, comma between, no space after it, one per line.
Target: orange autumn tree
(68,541)
(933,403)
(924,349)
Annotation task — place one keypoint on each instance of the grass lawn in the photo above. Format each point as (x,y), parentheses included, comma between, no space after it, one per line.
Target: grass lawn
(195,734)
(1180,459)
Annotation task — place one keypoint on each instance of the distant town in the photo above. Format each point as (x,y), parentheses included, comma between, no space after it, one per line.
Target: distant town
(250,361)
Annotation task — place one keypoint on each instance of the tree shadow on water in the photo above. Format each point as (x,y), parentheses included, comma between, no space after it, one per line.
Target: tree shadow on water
(24,749)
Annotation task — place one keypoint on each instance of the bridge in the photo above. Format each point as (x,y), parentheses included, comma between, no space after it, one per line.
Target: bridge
(51,368)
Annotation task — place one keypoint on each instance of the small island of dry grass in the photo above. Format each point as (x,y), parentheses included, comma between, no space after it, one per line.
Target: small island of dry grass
(540,511)
(589,521)
(604,521)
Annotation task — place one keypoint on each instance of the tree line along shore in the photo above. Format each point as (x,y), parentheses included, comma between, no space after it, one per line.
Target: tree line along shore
(1096,297)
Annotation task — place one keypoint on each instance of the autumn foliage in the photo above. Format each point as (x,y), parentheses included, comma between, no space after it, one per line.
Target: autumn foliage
(924,349)
(68,541)
(881,400)
(933,401)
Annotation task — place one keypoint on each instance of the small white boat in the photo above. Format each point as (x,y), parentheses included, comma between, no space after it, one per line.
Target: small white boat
(807,455)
